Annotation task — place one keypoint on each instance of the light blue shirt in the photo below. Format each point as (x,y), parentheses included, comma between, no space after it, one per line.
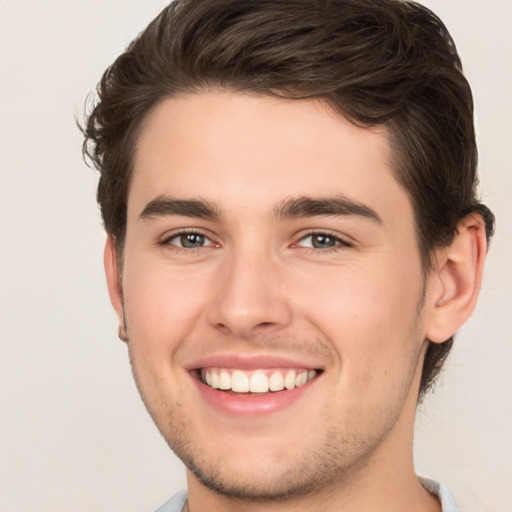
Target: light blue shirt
(447,502)
(177,502)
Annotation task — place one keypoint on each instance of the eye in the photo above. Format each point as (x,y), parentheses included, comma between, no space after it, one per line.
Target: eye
(321,241)
(189,240)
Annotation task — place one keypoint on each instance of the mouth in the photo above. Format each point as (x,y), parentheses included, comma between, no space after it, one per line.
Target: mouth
(253,386)
(255,382)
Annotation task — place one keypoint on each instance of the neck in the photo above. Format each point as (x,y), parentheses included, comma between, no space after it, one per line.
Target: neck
(395,494)
(385,482)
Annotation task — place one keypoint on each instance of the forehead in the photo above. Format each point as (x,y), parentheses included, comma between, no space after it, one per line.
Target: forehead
(246,152)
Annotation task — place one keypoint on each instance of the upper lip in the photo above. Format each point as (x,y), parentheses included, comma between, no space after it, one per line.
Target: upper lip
(251,362)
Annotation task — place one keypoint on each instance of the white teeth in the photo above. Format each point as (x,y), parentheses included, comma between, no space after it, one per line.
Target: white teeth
(224,380)
(289,380)
(239,382)
(215,380)
(276,382)
(258,381)
(301,379)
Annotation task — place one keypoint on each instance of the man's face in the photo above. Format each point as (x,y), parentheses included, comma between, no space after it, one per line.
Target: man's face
(269,245)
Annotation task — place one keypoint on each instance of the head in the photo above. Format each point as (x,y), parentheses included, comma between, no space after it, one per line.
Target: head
(379,63)
(386,66)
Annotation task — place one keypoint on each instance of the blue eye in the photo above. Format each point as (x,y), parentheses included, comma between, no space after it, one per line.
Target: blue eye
(321,241)
(189,240)
(192,240)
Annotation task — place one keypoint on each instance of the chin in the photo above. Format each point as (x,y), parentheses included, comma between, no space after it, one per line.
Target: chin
(268,483)
(261,474)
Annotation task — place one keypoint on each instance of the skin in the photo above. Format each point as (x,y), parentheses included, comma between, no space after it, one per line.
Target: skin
(357,307)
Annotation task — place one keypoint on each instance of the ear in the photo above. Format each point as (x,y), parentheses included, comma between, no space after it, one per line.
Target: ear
(114,284)
(455,283)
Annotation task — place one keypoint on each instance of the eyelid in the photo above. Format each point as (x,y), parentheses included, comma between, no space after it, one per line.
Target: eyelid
(325,232)
(342,240)
(176,233)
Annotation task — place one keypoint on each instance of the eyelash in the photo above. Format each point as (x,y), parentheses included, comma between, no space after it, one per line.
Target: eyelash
(167,240)
(340,243)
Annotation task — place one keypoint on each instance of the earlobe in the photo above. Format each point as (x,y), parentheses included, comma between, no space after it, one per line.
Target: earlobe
(114,284)
(455,283)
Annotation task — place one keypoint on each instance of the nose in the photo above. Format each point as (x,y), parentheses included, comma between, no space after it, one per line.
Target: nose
(251,296)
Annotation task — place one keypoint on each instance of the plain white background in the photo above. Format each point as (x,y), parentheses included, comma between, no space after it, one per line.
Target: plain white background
(74,435)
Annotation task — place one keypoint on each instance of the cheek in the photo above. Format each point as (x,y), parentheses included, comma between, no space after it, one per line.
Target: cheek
(370,316)
(162,306)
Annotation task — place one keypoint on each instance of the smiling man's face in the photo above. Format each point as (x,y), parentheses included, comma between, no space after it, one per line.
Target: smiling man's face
(270,252)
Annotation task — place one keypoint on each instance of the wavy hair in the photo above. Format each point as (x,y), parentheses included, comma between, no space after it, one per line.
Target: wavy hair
(387,63)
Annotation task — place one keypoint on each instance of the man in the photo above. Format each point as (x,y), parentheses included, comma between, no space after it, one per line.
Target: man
(294,237)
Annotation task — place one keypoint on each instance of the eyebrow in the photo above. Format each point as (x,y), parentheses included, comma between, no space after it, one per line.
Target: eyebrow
(298,207)
(163,206)
(330,206)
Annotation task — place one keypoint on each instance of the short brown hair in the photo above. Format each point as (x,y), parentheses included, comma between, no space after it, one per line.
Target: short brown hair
(389,63)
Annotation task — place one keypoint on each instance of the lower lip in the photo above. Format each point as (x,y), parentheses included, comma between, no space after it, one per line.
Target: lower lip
(251,405)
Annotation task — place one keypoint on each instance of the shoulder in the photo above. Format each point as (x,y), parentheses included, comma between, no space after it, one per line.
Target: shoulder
(447,501)
(175,504)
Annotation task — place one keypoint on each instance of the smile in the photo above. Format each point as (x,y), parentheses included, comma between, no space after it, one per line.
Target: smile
(255,381)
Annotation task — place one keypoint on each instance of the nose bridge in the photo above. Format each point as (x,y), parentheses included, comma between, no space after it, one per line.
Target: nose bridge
(250,292)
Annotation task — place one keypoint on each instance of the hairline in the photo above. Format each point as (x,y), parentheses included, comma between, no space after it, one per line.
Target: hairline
(395,160)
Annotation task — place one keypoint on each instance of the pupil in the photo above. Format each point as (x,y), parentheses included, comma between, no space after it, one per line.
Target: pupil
(322,241)
(192,240)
